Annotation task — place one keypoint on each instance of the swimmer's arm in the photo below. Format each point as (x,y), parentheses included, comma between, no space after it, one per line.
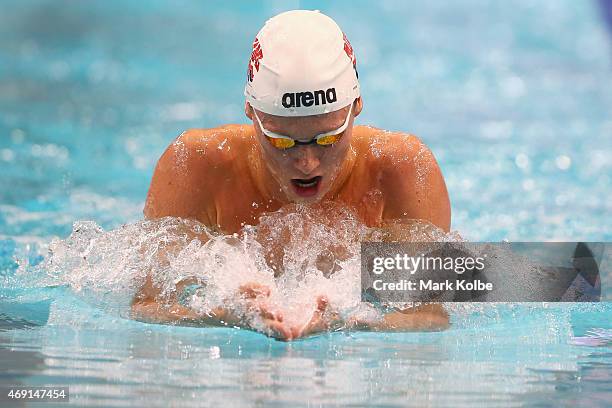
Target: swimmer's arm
(148,307)
(430,317)
(413,184)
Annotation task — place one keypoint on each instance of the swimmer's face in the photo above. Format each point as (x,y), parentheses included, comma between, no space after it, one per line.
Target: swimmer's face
(305,173)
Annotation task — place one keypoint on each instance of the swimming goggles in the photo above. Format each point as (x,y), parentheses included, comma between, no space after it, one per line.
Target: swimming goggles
(283,142)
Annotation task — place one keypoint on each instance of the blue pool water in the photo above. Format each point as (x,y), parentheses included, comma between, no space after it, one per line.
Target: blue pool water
(515,100)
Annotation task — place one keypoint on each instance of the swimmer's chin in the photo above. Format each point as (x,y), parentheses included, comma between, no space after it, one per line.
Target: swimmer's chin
(305,200)
(297,199)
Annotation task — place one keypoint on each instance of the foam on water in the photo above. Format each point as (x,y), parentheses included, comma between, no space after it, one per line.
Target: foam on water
(299,252)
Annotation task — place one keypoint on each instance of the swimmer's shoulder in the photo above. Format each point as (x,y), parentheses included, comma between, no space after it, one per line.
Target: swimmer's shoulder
(219,144)
(188,172)
(409,176)
(209,150)
(383,147)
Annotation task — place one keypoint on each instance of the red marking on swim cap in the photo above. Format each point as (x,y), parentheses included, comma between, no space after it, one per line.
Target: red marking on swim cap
(349,51)
(256,55)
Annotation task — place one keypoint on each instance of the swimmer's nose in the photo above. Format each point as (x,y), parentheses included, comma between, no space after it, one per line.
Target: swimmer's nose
(307,160)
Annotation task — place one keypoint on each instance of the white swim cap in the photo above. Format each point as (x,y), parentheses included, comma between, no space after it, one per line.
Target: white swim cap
(302,64)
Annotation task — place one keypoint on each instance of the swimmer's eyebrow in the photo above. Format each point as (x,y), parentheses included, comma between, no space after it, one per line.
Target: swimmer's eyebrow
(273,128)
(269,124)
(276,129)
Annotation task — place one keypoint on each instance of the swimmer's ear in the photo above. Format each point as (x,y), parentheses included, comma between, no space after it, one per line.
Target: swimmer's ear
(357,107)
(248,110)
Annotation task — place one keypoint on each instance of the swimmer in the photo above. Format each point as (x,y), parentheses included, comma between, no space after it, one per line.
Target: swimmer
(301,146)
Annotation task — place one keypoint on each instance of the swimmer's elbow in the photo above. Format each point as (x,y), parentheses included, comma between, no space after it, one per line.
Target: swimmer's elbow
(436,322)
(144,306)
(142,311)
(147,308)
(433,317)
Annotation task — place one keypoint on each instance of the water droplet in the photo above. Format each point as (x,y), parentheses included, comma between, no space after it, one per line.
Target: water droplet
(17,135)
(528,184)
(7,155)
(563,162)
(522,161)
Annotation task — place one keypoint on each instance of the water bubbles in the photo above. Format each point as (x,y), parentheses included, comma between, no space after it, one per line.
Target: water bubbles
(563,162)
(299,252)
(215,352)
(528,184)
(7,155)
(513,87)
(522,161)
(105,71)
(181,151)
(132,145)
(183,111)
(50,150)
(496,130)
(376,147)
(423,162)
(17,136)
(467,184)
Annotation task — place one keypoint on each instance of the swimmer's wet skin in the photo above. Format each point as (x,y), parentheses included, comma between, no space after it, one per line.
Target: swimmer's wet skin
(301,147)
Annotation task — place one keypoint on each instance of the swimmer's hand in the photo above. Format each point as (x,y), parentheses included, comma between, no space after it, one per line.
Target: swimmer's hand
(271,321)
(323,319)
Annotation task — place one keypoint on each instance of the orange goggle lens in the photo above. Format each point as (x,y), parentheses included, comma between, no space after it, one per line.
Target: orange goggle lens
(281,143)
(328,140)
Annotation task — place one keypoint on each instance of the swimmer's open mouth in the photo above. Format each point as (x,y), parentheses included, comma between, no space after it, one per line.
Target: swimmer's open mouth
(306,187)
(306,182)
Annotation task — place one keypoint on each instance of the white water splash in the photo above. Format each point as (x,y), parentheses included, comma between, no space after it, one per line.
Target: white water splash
(299,252)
